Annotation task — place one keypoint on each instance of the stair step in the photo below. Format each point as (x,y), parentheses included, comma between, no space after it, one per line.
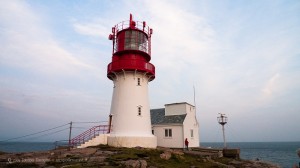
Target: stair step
(89,135)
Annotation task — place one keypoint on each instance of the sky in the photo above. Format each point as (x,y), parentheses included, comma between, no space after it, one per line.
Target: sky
(242,57)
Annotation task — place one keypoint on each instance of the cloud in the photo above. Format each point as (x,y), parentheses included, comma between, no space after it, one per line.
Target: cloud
(26,43)
(41,74)
(271,85)
(181,47)
(92,29)
(54,103)
(179,34)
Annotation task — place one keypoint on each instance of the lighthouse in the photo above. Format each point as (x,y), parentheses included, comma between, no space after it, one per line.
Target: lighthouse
(131,71)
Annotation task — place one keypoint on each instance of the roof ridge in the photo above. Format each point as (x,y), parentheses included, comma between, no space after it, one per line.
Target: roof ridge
(157,109)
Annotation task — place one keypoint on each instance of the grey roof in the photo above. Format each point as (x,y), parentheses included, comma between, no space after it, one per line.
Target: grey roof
(158,117)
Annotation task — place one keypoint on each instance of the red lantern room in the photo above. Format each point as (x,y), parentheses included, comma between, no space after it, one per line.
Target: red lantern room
(131,49)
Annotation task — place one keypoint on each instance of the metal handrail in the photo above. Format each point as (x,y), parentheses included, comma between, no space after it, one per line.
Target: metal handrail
(139,25)
(89,134)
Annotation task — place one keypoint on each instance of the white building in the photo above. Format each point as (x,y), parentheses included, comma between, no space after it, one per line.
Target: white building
(172,124)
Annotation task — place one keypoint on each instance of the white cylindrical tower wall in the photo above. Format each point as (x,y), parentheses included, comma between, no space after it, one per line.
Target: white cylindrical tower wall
(131,123)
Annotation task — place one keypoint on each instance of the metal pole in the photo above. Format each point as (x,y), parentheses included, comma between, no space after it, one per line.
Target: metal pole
(109,123)
(70,133)
(194,96)
(223,120)
(223,129)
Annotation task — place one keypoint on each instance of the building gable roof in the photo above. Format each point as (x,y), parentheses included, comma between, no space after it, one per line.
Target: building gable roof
(179,103)
(158,117)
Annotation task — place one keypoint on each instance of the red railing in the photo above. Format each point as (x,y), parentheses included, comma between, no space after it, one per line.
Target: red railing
(129,64)
(138,25)
(135,26)
(89,134)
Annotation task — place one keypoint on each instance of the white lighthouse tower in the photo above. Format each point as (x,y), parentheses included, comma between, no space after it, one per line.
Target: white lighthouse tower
(130,71)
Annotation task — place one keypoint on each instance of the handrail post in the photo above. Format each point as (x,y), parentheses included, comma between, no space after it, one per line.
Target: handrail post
(94,131)
(109,123)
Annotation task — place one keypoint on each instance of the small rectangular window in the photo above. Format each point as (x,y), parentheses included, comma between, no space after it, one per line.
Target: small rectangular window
(153,132)
(139,111)
(139,81)
(192,133)
(168,133)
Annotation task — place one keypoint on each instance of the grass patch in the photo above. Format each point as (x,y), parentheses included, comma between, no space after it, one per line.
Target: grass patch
(23,165)
(179,161)
(223,160)
(129,153)
(2,153)
(73,157)
(152,156)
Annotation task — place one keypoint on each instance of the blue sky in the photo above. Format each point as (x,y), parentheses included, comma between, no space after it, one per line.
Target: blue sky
(243,57)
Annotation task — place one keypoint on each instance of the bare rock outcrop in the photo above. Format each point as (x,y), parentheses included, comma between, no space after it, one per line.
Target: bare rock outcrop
(135,163)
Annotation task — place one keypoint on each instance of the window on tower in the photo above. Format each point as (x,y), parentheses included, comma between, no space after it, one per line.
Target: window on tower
(139,110)
(139,81)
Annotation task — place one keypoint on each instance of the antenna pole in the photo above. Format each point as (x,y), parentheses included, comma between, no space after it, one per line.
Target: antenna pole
(223,129)
(70,133)
(194,96)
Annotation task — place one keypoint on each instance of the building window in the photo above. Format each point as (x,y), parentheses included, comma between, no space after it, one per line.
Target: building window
(168,133)
(153,132)
(139,81)
(139,110)
(192,133)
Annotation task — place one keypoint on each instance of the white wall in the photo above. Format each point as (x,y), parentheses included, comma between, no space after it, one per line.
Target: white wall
(175,141)
(175,109)
(127,97)
(190,123)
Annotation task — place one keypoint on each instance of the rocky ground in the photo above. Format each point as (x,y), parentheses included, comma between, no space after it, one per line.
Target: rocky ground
(107,157)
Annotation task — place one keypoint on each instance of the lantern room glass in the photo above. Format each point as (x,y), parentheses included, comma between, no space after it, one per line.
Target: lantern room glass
(135,40)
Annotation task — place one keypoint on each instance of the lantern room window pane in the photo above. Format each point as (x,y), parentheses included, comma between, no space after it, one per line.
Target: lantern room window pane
(135,40)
